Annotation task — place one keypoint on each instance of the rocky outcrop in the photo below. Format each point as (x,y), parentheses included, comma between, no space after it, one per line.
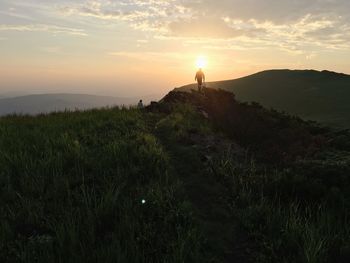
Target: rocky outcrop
(284,137)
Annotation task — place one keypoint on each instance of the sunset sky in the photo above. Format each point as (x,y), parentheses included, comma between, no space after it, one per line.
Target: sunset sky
(135,47)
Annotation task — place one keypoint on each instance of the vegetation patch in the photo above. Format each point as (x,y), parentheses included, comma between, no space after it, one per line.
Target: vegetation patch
(193,178)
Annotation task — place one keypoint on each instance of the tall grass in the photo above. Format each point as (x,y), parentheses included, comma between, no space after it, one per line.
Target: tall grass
(291,229)
(105,186)
(71,190)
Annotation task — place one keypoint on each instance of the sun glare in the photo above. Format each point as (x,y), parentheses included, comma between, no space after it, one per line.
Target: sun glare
(201,62)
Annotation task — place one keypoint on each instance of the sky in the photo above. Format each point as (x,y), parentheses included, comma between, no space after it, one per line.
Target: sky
(142,47)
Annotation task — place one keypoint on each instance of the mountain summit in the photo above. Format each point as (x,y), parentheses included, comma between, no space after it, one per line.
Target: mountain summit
(316,95)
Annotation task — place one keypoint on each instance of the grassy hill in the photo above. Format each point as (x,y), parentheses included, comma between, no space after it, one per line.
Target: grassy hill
(193,178)
(317,95)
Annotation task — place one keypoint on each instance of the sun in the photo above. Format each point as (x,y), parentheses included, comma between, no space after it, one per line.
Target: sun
(201,62)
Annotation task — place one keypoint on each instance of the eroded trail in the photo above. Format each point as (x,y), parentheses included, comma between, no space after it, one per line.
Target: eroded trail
(191,163)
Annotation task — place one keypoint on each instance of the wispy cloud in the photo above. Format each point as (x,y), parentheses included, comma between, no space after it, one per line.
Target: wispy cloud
(13,13)
(208,27)
(321,32)
(278,12)
(44,28)
(291,26)
(147,56)
(148,15)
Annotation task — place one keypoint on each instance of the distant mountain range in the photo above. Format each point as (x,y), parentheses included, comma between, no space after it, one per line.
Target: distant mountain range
(323,96)
(45,103)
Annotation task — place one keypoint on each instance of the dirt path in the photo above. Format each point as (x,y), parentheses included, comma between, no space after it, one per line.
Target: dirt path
(225,242)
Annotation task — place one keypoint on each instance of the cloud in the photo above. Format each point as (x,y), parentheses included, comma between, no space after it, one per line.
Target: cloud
(12,12)
(207,27)
(227,19)
(43,28)
(147,56)
(311,30)
(292,26)
(281,11)
(148,15)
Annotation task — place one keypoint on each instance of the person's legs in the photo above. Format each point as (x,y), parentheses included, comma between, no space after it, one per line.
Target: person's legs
(199,86)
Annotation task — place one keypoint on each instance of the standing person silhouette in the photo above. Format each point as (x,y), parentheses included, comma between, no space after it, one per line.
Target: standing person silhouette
(200,77)
(140,104)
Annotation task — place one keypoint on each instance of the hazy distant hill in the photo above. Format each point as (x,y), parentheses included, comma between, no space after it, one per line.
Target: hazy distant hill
(318,95)
(44,103)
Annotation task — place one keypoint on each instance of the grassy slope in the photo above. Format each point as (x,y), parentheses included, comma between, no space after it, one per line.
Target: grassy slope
(71,191)
(285,193)
(72,185)
(321,96)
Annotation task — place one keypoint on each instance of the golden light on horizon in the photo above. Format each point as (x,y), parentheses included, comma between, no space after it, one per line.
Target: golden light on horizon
(201,62)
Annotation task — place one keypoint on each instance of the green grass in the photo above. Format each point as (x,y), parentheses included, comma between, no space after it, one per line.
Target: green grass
(285,213)
(296,211)
(72,186)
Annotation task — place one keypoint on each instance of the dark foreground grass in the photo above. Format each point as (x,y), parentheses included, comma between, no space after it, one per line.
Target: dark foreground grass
(123,185)
(71,190)
(297,211)
(292,218)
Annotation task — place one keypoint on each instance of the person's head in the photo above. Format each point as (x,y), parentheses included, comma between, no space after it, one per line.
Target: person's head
(140,100)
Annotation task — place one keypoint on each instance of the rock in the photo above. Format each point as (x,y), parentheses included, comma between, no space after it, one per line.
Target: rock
(204,114)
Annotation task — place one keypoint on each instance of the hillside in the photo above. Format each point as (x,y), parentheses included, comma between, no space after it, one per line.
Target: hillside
(192,178)
(317,95)
(45,103)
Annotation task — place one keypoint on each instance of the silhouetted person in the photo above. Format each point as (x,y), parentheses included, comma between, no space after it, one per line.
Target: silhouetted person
(200,77)
(140,104)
